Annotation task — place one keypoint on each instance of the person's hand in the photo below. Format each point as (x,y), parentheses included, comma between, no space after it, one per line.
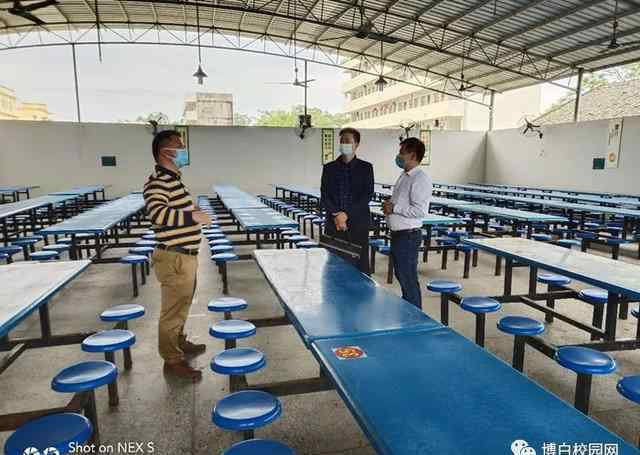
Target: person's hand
(387,207)
(340,221)
(201,218)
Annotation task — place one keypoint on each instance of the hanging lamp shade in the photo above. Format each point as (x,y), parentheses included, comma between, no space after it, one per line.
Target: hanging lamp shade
(200,75)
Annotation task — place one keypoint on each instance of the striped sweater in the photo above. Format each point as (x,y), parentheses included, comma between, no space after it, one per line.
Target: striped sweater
(169,207)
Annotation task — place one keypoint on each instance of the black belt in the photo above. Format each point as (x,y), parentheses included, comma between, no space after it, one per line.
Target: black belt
(177,249)
(405,231)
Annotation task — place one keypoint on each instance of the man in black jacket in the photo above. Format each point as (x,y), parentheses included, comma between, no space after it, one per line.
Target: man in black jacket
(347,188)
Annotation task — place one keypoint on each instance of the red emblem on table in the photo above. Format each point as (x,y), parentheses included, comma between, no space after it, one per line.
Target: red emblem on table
(349,353)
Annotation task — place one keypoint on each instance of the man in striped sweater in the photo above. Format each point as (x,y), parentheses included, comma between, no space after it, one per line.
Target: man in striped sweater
(176,221)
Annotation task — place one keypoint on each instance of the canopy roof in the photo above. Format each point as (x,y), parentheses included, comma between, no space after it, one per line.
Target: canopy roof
(485,44)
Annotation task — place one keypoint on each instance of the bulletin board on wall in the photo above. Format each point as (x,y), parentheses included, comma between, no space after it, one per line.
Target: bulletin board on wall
(327,146)
(183,130)
(425,137)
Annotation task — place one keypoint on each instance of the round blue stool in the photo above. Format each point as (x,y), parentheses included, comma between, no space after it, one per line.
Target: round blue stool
(307,244)
(238,361)
(520,327)
(44,256)
(122,313)
(4,257)
(585,362)
(220,242)
(541,237)
(445,288)
(57,247)
(27,245)
(136,260)
(231,330)
(259,447)
(10,251)
(58,431)
(221,260)
(469,252)
(227,305)
(569,243)
(215,236)
(246,411)
(480,306)
(147,243)
(221,248)
(554,283)
(108,342)
(85,377)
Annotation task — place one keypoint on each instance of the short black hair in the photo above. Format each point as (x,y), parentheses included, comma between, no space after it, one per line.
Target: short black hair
(414,145)
(352,131)
(160,140)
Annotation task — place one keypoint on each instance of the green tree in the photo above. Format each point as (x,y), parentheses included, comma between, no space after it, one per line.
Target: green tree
(159,117)
(282,118)
(242,119)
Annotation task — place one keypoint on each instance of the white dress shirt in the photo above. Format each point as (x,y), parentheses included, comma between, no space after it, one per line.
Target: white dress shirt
(411,197)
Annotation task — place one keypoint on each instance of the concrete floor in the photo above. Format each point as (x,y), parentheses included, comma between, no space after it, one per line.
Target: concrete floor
(176,415)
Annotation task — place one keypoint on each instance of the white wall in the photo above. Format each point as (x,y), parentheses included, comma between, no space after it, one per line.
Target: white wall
(58,156)
(564,157)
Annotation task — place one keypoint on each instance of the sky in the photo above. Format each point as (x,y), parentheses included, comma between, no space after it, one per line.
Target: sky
(135,80)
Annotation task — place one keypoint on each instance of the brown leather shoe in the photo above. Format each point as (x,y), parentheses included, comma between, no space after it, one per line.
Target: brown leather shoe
(192,349)
(182,370)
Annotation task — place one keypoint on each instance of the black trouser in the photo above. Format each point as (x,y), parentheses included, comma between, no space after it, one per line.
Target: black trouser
(404,250)
(358,235)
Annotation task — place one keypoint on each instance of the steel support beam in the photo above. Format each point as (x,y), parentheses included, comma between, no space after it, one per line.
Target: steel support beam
(75,82)
(576,107)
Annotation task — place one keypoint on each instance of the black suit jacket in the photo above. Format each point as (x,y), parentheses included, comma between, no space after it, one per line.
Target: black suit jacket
(361,192)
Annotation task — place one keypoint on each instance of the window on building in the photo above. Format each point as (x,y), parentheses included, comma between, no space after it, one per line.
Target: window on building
(423,101)
(404,106)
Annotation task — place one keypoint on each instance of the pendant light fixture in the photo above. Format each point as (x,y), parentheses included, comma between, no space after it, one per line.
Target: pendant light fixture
(199,74)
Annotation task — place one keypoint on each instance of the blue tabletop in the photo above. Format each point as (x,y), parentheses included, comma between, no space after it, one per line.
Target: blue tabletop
(512,214)
(15,208)
(255,219)
(99,219)
(304,190)
(24,287)
(567,205)
(430,219)
(435,392)
(534,193)
(325,297)
(229,190)
(81,191)
(15,189)
(243,203)
(617,276)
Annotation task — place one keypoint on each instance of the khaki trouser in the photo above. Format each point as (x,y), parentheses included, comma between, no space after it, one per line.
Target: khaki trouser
(177,275)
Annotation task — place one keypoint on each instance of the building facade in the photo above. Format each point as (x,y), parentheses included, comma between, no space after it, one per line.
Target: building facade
(401,104)
(11,109)
(213,109)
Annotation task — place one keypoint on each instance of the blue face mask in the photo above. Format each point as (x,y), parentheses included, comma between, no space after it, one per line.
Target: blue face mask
(346,149)
(400,162)
(182,158)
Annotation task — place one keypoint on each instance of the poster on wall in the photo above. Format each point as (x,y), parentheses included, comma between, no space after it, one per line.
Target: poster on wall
(184,135)
(614,142)
(327,145)
(425,136)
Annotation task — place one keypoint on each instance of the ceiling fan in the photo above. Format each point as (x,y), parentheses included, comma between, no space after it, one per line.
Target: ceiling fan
(614,44)
(24,11)
(529,129)
(296,81)
(366,30)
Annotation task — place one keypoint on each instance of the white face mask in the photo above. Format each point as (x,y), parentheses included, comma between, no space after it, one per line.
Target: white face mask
(346,149)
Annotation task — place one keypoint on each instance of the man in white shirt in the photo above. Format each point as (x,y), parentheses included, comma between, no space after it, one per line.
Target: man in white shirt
(406,209)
